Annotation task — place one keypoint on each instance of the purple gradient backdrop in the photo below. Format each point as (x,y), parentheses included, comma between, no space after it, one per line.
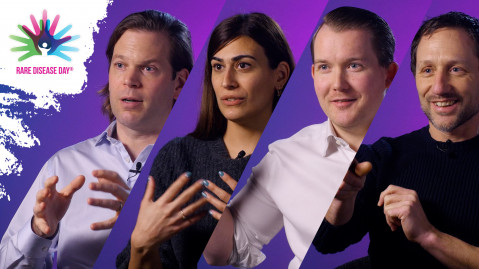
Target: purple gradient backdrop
(290,16)
(400,112)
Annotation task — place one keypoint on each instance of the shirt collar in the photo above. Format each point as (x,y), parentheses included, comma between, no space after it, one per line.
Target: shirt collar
(332,141)
(106,136)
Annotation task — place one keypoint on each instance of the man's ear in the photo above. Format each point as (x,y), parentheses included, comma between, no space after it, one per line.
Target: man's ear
(391,73)
(282,73)
(180,80)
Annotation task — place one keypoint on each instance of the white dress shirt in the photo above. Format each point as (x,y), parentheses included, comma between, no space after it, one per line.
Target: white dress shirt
(293,187)
(77,246)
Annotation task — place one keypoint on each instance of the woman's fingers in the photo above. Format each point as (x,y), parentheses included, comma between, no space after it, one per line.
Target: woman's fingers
(219,192)
(228,180)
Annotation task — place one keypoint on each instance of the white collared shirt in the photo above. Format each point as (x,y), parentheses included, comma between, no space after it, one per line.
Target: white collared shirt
(77,246)
(293,187)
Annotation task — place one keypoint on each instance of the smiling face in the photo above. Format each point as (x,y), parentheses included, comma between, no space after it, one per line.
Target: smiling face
(140,81)
(243,82)
(447,79)
(349,82)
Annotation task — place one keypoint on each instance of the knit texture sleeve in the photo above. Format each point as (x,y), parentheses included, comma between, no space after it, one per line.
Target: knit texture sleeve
(332,239)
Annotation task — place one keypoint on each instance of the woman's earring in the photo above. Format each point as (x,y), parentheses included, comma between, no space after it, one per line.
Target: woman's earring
(279,92)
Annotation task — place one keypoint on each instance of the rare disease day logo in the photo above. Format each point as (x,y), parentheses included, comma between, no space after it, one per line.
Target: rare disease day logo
(44,41)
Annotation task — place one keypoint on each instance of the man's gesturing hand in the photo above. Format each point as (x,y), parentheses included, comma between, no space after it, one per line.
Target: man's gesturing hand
(402,208)
(51,206)
(341,209)
(111,182)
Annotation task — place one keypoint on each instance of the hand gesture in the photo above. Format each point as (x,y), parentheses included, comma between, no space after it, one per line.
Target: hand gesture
(111,182)
(402,208)
(341,209)
(354,180)
(51,206)
(159,220)
(223,196)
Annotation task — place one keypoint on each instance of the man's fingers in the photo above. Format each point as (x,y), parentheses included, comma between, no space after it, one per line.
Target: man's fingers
(106,203)
(392,189)
(38,209)
(175,188)
(41,225)
(394,215)
(43,194)
(111,176)
(51,182)
(228,180)
(74,185)
(104,225)
(223,195)
(113,188)
(394,200)
(214,201)
(353,181)
(363,168)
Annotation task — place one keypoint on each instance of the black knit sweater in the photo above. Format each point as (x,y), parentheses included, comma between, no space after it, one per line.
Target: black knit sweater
(204,159)
(446,179)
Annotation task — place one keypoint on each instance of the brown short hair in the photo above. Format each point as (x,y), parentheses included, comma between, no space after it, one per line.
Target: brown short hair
(457,20)
(264,31)
(181,53)
(348,18)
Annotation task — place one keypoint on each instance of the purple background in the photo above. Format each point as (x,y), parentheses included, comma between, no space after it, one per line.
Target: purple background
(81,118)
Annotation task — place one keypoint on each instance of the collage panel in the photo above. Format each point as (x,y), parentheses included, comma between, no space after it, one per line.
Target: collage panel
(236,62)
(418,204)
(140,65)
(297,179)
(299,160)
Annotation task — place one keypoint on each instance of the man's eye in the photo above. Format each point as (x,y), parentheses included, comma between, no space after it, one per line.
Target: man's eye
(149,68)
(355,66)
(119,65)
(323,67)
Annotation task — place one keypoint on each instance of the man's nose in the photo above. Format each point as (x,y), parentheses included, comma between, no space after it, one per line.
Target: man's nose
(132,78)
(340,82)
(441,83)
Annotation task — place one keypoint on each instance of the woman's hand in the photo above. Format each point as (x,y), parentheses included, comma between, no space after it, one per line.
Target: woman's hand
(160,220)
(223,196)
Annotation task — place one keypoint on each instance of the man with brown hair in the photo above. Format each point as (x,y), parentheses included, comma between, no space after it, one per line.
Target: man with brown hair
(150,58)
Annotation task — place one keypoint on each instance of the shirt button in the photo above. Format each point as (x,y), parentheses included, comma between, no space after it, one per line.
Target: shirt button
(338,142)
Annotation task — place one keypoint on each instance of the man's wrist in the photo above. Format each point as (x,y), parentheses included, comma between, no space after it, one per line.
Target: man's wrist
(340,211)
(39,232)
(429,239)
